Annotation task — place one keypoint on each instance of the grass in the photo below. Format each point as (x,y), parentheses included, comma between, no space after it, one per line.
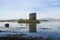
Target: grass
(28,21)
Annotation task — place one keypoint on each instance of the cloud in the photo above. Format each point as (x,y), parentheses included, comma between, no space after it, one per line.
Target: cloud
(49,13)
(22,8)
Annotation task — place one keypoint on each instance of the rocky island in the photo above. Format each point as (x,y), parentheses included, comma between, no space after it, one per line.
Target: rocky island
(32,19)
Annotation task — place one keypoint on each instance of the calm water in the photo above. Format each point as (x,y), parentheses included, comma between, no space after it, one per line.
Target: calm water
(44,29)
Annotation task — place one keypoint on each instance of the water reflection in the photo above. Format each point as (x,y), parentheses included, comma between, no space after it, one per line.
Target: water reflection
(32,27)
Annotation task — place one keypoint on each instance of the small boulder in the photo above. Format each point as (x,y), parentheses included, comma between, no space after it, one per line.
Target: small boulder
(7,25)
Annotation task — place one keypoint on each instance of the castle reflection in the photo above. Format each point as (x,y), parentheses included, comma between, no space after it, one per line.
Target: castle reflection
(32,27)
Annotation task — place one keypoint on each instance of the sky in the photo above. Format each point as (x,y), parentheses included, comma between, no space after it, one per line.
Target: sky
(17,9)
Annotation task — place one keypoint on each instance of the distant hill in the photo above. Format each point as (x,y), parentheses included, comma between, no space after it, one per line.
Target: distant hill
(12,20)
(49,19)
(42,19)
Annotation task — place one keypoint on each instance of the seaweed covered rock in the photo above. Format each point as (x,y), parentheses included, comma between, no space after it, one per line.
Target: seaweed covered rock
(7,25)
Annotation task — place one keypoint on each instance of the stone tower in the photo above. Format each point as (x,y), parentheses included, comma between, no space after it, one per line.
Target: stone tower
(32,16)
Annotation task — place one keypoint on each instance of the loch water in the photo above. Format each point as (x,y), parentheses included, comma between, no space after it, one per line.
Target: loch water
(44,29)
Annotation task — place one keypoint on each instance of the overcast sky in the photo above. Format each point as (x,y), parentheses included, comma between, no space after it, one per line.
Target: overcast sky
(16,9)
